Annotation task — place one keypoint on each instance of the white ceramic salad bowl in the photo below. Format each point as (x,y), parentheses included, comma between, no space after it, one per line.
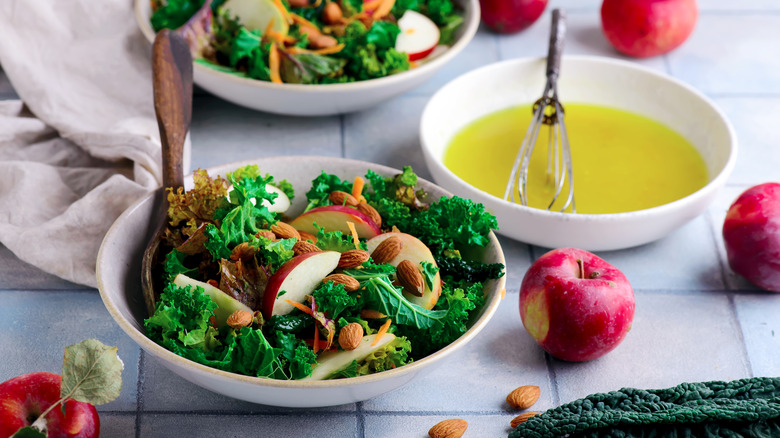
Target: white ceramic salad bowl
(119,282)
(320,100)
(592,80)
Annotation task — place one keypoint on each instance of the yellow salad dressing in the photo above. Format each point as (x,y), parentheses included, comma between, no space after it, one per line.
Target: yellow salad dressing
(622,161)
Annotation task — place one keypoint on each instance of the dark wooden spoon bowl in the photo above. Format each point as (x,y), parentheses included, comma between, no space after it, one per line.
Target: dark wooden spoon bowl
(172,80)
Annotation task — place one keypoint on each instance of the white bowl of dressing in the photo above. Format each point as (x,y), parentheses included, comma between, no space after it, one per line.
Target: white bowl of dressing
(592,80)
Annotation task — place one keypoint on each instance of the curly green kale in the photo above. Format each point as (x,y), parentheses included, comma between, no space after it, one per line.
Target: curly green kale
(321,187)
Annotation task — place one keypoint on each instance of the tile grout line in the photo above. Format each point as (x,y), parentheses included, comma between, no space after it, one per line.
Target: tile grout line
(723,277)
(740,333)
(139,393)
(361,420)
(552,378)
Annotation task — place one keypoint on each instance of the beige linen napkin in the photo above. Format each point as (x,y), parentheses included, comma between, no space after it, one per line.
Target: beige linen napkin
(83,143)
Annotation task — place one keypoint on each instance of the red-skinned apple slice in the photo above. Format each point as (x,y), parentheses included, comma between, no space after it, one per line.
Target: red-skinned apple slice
(335,218)
(297,278)
(419,35)
(24,398)
(415,251)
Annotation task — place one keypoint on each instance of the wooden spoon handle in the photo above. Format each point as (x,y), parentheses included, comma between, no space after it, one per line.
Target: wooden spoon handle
(172,80)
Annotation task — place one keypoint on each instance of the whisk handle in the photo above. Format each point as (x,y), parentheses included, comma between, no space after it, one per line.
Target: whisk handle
(557,36)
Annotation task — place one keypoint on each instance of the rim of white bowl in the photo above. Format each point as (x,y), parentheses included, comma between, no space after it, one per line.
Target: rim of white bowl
(471,21)
(714,183)
(488,310)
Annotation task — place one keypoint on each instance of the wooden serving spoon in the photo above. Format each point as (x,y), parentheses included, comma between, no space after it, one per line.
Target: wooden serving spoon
(172,80)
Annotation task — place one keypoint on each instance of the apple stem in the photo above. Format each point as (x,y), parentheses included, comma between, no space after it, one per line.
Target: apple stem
(581,265)
(40,423)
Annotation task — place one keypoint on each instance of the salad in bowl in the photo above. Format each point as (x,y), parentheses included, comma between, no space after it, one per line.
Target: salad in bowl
(310,41)
(369,277)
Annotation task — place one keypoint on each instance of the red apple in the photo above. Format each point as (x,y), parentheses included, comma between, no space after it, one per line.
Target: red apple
(297,278)
(415,251)
(335,218)
(644,28)
(575,305)
(24,398)
(751,233)
(510,16)
(419,35)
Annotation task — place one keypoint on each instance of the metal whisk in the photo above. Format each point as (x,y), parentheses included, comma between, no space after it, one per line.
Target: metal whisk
(548,110)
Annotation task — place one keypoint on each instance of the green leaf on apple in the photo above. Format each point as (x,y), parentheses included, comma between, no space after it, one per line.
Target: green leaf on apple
(429,271)
(91,372)
(28,432)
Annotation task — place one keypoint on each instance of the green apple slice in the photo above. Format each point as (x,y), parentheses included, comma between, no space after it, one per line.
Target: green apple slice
(256,14)
(225,303)
(330,362)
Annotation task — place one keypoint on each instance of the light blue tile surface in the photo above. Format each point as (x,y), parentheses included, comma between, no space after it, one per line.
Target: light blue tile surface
(675,338)
(164,391)
(281,426)
(754,120)
(117,425)
(16,274)
(38,325)
(500,359)
(729,53)
(761,329)
(684,260)
(417,426)
(583,37)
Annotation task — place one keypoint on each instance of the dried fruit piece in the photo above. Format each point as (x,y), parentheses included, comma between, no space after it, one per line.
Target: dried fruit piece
(410,278)
(522,418)
(303,247)
(523,397)
(285,231)
(343,198)
(372,314)
(243,251)
(349,283)
(240,318)
(452,428)
(353,258)
(350,336)
(370,212)
(387,250)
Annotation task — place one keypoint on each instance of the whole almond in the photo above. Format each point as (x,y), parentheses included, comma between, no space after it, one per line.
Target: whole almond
(387,250)
(523,397)
(410,278)
(370,212)
(522,418)
(350,336)
(285,231)
(353,258)
(349,283)
(331,13)
(305,235)
(452,428)
(240,318)
(343,198)
(303,247)
(372,314)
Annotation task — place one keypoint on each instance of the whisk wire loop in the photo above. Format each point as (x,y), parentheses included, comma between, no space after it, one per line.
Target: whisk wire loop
(549,111)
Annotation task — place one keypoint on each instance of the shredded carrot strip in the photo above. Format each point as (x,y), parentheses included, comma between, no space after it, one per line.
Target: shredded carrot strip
(384,8)
(503,293)
(302,21)
(283,10)
(316,343)
(373,4)
(381,332)
(268,27)
(354,234)
(273,64)
(326,51)
(357,187)
(300,307)
(316,4)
